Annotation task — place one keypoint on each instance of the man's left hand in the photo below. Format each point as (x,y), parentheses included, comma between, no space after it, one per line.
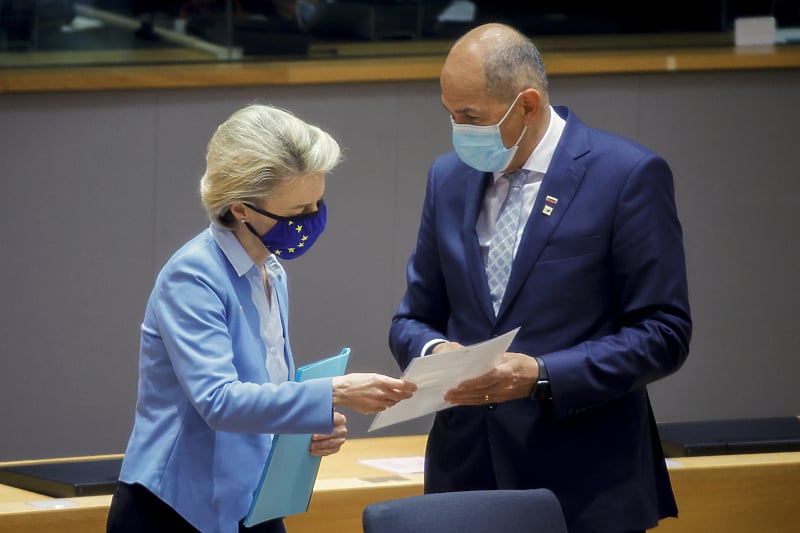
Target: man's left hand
(513,378)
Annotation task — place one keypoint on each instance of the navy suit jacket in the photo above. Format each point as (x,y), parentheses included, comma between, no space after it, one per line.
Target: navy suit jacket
(598,288)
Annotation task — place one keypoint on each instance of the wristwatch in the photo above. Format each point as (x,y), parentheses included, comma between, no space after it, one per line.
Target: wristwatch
(541,389)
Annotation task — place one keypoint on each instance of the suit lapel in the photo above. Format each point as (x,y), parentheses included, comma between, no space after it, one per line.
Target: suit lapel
(473,202)
(560,184)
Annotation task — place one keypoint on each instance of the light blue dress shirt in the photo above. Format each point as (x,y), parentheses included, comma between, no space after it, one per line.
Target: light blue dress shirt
(497,191)
(207,408)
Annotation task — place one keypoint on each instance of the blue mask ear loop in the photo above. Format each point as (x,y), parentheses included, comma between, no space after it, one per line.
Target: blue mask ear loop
(508,111)
(524,128)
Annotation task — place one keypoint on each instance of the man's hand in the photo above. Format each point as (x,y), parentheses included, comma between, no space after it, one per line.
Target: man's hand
(446,347)
(513,378)
(322,445)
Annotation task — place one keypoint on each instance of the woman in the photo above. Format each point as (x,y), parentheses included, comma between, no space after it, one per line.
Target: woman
(215,360)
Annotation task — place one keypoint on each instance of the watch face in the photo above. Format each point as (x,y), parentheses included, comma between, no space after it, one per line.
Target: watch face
(541,390)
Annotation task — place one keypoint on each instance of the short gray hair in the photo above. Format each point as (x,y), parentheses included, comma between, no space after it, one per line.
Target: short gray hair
(512,66)
(258,148)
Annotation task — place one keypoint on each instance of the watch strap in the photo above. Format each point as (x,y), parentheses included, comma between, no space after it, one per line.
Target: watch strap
(541,389)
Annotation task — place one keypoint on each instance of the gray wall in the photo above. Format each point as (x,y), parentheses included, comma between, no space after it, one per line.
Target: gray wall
(98,189)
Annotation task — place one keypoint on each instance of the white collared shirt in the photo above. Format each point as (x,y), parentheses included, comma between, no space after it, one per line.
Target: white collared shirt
(537,165)
(271,329)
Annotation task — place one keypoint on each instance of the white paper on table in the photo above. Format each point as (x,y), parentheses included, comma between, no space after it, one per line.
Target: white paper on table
(398,465)
(437,373)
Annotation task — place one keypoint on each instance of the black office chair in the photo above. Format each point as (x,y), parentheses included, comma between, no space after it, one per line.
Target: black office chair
(480,511)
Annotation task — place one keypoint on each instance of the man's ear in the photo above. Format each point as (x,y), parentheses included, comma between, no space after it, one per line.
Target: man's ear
(532,103)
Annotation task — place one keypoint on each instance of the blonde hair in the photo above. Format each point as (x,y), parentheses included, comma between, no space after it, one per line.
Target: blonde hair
(255,150)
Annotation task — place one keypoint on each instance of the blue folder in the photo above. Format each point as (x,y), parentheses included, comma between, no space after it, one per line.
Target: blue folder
(287,480)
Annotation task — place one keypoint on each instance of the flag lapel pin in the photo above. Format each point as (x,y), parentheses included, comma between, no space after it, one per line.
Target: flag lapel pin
(551,201)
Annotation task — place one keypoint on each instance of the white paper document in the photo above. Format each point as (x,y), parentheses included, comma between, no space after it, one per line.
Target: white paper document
(435,374)
(398,465)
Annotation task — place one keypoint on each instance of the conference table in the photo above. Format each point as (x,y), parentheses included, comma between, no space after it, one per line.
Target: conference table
(730,493)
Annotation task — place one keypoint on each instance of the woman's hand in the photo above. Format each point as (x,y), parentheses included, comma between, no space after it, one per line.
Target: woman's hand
(322,445)
(370,393)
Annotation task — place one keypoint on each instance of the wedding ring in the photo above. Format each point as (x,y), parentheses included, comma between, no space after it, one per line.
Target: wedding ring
(486,398)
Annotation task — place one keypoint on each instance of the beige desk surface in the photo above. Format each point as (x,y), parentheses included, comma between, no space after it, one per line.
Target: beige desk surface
(344,486)
(751,493)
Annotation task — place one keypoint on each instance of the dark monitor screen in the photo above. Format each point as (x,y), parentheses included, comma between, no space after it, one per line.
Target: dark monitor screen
(720,437)
(65,479)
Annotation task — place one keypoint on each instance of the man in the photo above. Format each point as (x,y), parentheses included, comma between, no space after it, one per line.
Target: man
(597,287)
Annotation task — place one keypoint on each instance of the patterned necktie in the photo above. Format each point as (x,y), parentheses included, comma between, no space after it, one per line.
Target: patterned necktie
(501,249)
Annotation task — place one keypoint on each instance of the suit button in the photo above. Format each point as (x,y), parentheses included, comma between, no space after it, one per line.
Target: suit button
(491,407)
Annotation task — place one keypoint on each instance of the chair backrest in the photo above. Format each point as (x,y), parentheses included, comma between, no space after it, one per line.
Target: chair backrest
(481,511)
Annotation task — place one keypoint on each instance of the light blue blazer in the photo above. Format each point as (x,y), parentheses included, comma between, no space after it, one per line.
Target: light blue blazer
(206,408)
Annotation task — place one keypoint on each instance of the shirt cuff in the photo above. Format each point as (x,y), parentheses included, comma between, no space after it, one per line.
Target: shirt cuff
(426,349)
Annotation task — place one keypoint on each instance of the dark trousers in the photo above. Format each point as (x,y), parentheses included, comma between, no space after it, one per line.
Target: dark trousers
(134,509)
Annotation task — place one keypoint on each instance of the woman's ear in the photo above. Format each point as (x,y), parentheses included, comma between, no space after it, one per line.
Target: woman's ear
(238,210)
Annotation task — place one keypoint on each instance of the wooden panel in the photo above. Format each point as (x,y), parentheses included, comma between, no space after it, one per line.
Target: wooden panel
(88,516)
(737,494)
(424,67)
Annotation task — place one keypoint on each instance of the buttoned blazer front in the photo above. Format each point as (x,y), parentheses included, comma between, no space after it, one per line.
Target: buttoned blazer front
(598,288)
(206,408)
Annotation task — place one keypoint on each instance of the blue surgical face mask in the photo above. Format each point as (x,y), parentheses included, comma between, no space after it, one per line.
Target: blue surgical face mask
(481,147)
(292,236)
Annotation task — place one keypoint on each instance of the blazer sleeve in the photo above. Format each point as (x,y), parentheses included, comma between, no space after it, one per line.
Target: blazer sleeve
(193,321)
(424,309)
(649,295)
